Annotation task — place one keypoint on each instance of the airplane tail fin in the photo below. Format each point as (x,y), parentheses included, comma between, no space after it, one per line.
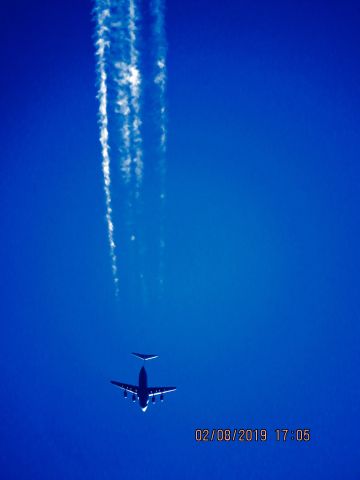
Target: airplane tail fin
(144,357)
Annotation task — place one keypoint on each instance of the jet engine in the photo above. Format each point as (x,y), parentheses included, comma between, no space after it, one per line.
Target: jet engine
(125,393)
(153,399)
(161,398)
(134,397)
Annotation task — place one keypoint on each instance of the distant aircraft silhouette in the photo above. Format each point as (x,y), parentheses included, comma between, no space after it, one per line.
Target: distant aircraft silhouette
(142,391)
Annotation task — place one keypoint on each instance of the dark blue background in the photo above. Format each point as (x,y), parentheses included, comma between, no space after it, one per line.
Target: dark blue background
(259,323)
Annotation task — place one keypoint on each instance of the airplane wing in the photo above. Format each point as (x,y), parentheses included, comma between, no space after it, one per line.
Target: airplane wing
(159,390)
(125,386)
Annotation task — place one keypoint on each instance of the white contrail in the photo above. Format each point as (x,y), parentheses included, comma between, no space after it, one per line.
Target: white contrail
(160,79)
(120,92)
(160,67)
(123,107)
(134,80)
(120,74)
(102,11)
(127,76)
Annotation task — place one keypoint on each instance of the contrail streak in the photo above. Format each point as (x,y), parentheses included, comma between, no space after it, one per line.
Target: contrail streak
(127,76)
(160,67)
(123,107)
(125,128)
(102,11)
(160,81)
(134,79)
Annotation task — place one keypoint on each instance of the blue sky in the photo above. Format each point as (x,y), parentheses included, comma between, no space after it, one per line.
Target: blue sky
(258,326)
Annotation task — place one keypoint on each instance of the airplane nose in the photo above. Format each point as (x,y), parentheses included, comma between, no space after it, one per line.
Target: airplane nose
(144,408)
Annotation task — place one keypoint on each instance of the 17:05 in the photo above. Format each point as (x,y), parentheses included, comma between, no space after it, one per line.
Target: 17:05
(299,435)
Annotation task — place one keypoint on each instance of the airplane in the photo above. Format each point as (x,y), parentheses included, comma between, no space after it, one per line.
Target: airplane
(142,391)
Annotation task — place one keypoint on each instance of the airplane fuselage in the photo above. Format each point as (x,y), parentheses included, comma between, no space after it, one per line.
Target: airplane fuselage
(143,390)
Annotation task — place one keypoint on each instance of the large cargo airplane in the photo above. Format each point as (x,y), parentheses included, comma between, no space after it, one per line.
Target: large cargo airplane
(142,391)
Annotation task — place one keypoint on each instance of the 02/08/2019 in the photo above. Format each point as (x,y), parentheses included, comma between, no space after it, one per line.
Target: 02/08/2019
(251,435)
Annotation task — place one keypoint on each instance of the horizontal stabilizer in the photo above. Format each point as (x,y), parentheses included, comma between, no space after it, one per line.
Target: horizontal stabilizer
(144,357)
